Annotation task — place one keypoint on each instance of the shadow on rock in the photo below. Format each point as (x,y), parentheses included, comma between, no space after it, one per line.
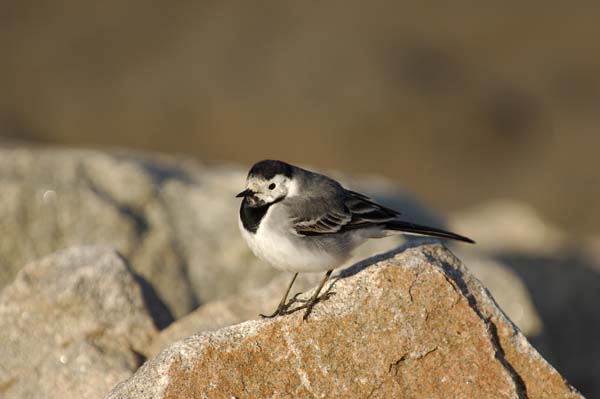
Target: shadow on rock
(159,311)
(411,242)
(566,292)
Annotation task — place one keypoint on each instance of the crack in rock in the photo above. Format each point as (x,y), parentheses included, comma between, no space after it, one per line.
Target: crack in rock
(395,367)
(456,276)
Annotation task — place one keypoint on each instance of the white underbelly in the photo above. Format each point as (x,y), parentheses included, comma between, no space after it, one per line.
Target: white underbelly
(289,253)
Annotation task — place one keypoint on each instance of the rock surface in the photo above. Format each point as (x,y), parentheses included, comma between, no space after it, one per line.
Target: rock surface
(233,310)
(562,276)
(416,324)
(152,209)
(72,326)
(506,287)
(565,289)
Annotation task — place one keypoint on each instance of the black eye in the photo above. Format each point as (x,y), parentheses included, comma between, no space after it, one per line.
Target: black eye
(271,186)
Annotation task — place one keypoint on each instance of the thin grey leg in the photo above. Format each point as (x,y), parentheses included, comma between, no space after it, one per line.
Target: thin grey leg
(282,307)
(315,298)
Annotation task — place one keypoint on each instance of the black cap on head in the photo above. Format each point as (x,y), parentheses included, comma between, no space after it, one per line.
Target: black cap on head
(269,168)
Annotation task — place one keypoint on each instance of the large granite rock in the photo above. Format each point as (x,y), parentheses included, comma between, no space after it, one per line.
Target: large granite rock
(416,325)
(72,326)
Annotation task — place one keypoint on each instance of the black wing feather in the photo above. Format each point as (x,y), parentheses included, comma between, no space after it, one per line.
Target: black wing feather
(359,211)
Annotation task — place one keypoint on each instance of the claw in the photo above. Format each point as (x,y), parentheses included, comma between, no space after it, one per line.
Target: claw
(326,295)
(311,304)
(270,316)
(307,312)
(308,304)
(295,299)
(280,311)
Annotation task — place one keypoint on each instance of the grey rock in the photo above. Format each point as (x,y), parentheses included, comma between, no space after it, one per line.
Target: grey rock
(51,199)
(73,325)
(565,290)
(174,219)
(168,217)
(506,225)
(593,250)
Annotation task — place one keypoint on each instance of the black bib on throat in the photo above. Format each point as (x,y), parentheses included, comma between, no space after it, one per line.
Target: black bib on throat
(252,215)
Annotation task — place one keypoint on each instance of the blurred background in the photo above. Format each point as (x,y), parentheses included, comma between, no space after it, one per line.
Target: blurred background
(459,105)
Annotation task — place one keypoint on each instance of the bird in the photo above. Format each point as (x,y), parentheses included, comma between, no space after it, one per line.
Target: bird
(301,221)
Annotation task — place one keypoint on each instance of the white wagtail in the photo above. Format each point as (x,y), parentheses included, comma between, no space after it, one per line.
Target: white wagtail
(301,221)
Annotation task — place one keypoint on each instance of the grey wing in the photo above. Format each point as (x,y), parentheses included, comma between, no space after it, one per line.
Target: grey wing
(331,222)
(350,210)
(322,210)
(366,212)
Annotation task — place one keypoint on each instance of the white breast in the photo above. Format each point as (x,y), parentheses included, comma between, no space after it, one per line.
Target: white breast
(276,243)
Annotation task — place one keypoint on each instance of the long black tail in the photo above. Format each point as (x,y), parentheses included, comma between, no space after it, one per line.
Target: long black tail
(411,228)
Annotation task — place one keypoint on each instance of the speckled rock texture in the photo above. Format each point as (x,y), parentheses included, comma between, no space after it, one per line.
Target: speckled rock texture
(234,310)
(505,285)
(72,325)
(561,272)
(415,324)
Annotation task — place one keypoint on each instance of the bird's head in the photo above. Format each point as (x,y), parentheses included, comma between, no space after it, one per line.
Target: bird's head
(268,182)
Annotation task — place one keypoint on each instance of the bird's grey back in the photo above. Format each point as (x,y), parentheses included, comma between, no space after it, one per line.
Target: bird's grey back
(319,195)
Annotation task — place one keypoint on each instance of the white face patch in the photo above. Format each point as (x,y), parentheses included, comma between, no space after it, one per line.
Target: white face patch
(293,189)
(268,191)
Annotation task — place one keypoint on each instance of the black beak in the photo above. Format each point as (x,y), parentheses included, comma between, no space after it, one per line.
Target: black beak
(247,192)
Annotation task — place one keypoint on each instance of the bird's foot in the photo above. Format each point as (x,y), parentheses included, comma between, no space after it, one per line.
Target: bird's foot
(308,304)
(280,311)
(295,299)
